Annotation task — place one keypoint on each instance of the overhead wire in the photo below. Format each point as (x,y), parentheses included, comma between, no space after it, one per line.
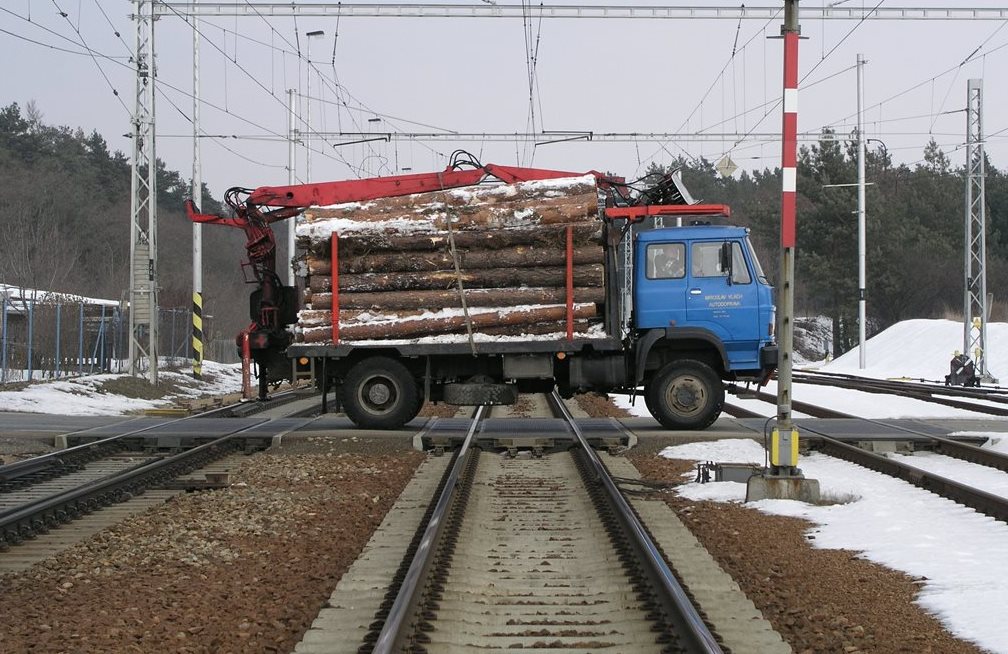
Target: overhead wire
(82,53)
(216,139)
(336,86)
(964,62)
(161,82)
(240,67)
(977,53)
(703,98)
(112,25)
(816,66)
(76,28)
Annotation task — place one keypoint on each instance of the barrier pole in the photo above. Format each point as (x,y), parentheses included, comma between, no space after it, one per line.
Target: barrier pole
(59,336)
(3,346)
(80,341)
(31,334)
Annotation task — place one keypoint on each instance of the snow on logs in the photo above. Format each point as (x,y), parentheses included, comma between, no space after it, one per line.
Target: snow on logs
(400,279)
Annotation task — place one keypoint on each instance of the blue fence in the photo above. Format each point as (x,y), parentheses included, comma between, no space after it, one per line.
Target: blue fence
(46,340)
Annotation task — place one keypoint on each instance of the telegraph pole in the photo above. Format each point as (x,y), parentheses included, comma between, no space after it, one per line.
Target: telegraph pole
(143,332)
(308,123)
(782,479)
(197,228)
(861,211)
(291,159)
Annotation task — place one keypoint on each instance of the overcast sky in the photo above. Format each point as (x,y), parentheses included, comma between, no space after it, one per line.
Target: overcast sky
(471,75)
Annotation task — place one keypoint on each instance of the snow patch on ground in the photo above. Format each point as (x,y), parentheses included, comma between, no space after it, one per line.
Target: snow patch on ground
(87,396)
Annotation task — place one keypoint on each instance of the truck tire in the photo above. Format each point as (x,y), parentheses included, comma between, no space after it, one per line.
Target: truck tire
(380,393)
(685,394)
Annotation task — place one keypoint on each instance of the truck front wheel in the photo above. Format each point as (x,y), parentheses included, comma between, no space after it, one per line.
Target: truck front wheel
(380,393)
(685,394)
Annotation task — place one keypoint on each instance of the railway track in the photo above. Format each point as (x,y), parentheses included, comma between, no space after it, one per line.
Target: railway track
(902,389)
(995,506)
(86,446)
(934,393)
(537,549)
(48,491)
(993,393)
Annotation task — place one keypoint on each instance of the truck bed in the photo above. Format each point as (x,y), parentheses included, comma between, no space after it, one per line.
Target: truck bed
(413,349)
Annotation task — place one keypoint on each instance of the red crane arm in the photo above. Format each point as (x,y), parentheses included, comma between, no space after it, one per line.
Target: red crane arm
(360,190)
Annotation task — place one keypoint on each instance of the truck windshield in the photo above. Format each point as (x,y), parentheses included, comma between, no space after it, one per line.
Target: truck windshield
(755,262)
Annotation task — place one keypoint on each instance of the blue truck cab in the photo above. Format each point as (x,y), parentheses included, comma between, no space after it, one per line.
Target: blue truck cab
(703,312)
(681,283)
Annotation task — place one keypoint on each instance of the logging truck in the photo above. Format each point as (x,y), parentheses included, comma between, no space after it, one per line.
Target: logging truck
(479,282)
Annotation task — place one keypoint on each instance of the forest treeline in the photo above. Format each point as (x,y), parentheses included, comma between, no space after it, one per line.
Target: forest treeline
(915,231)
(65,225)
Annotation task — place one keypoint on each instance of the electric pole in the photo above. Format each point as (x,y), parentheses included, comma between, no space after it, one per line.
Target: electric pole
(975,305)
(197,228)
(143,328)
(308,123)
(291,180)
(861,211)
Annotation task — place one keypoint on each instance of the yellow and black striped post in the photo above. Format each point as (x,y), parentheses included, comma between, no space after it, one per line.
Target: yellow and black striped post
(197,335)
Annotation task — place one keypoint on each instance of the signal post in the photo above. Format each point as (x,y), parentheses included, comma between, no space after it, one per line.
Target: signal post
(782,479)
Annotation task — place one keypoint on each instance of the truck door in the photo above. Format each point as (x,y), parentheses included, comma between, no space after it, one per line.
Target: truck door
(661,290)
(727,306)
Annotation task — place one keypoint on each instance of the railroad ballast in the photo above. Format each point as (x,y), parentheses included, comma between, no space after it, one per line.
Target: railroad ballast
(474,283)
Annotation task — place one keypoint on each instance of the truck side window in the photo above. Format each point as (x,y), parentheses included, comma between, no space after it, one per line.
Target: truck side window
(706,262)
(740,272)
(666,261)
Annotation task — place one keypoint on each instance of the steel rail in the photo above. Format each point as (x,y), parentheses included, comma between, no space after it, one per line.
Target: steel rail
(994,393)
(398,625)
(740,412)
(946,446)
(922,394)
(804,407)
(678,608)
(955,449)
(57,508)
(79,453)
(989,504)
(50,459)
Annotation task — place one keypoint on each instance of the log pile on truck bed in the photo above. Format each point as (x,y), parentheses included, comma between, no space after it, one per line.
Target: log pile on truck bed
(511,253)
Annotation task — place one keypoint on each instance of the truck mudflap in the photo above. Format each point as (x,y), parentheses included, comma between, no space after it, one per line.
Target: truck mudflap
(769,356)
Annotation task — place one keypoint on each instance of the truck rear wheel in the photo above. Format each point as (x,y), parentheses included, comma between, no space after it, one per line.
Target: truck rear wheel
(685,394)
(380,393)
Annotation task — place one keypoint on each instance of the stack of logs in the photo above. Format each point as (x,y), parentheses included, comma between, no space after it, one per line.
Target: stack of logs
(405,264)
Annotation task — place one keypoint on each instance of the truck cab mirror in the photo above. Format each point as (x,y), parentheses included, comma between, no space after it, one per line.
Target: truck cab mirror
(726,260)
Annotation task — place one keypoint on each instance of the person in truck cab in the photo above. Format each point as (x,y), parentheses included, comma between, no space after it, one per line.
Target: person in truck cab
(668,262)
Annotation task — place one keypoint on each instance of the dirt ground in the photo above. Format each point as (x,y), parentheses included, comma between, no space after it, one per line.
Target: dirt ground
(244,569)
(819,600)
(247,568)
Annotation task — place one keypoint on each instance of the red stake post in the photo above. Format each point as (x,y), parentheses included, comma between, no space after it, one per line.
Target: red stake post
(570,283)
(335,288)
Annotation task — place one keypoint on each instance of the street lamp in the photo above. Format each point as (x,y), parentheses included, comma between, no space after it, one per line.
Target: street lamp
(308,140)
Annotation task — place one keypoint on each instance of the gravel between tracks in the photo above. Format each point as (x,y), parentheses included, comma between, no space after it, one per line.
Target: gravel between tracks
(246,569)
(819,600)
(243,569)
